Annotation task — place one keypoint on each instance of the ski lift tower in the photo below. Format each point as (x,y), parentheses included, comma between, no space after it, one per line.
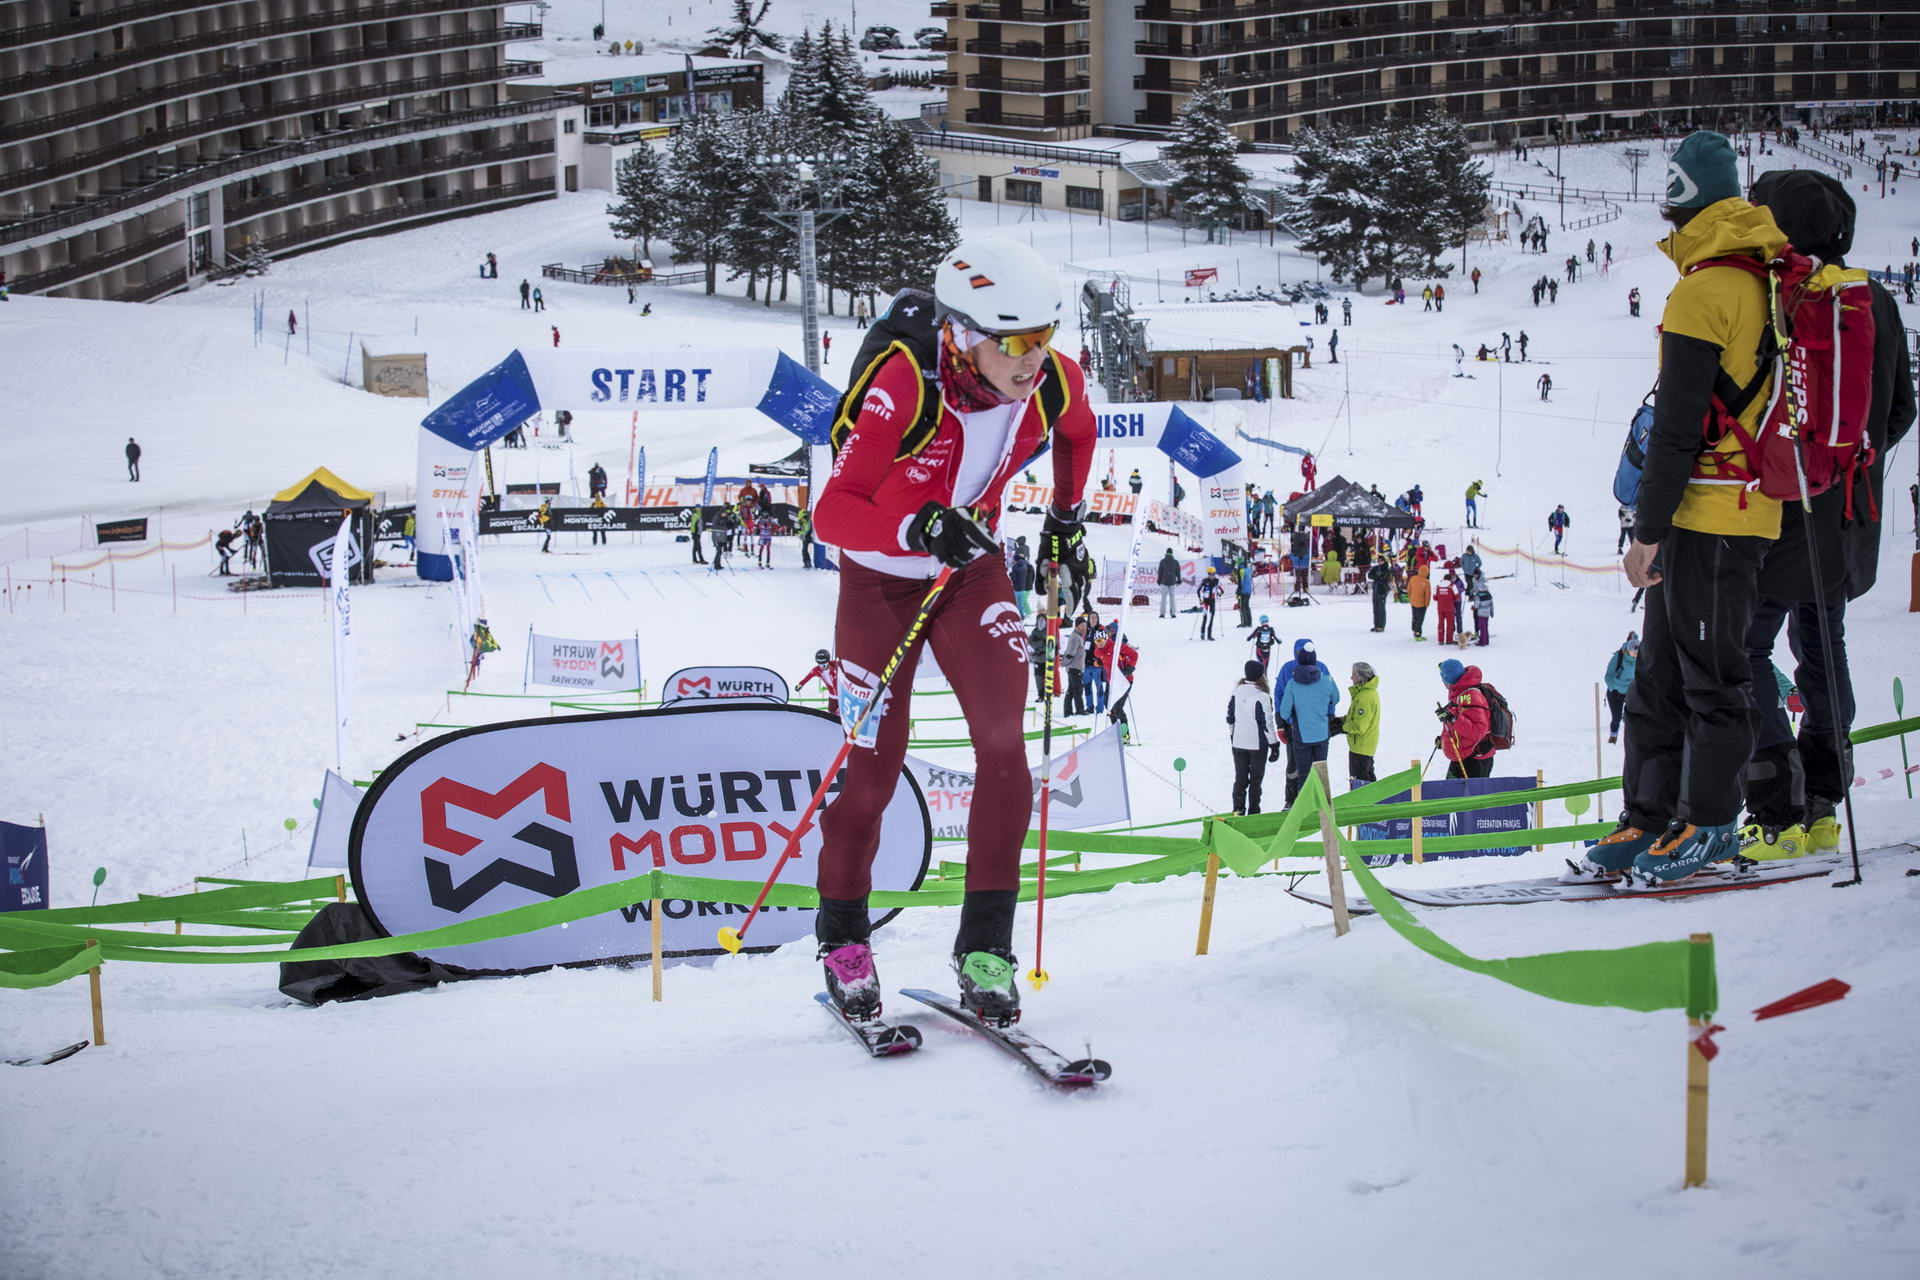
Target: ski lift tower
(801,212)
(1114,337)
(1635,156)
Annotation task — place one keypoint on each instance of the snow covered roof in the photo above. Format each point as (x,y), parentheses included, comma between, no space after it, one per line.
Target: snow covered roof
(1218,326)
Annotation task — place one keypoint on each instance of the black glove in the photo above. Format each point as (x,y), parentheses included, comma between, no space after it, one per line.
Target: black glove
(1063,542)
(1336,725)
(952,535)
(1273,754)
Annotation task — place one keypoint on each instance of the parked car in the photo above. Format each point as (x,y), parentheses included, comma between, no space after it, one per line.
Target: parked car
(878,37)
(925,36)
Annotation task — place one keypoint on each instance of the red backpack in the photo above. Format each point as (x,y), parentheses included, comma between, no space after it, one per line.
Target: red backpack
(1817,355)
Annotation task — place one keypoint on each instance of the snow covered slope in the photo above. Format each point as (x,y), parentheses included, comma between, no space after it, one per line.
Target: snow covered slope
(1288,1102)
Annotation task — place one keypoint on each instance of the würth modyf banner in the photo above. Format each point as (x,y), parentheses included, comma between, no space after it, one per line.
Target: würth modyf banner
(583,664)
(724,682)
(503,816)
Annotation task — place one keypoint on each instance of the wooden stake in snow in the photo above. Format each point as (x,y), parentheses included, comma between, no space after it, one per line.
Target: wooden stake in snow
(1700,1052)
(93,994)
(654,959)
(1206,895)
(1330,845)
(1419,824)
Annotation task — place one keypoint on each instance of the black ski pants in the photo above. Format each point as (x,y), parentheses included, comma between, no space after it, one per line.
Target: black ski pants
(1206,622)
(698,558)
(1477,768)
(1249,770)
(1690,709)
(1379,610)
(1616,707)
(1301,757)
(1359,769)
(1786,771)
(1419,619)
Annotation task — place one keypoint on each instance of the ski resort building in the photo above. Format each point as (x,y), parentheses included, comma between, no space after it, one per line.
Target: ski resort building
(1511,69)
(145,145)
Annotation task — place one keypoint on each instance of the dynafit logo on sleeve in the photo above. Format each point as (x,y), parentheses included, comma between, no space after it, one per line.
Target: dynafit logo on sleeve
(543,780)
(878,403)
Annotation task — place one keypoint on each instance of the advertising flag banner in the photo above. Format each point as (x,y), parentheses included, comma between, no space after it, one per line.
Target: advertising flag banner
(584,664)
(713,469)
(1089,789)
(338,801)
(507,815)
(336,559)
(477,415)
(702,683)
(1223,509)
(24,851)
(639,473)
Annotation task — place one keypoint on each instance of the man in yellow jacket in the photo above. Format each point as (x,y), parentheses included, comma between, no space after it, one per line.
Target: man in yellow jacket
(1698,540)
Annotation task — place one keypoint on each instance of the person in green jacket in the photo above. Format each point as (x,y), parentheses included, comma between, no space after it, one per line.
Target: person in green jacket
(1362,724)
(695,519)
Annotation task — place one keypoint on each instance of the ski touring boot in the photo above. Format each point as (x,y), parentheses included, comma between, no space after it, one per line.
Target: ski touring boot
(987,987)
(1767,842)
(1610,857)
(1685,850)
(852,983)
(1823,829)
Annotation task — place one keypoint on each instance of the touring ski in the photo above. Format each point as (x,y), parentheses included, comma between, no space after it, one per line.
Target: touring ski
(882,1039)
(1037,1058)
(43,1059)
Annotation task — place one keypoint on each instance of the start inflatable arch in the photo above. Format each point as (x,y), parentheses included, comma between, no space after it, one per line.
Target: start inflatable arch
(677,379)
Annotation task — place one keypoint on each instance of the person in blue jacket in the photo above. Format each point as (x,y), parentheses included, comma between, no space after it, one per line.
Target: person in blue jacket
(1619,679)
(1307,703)
(1243,589)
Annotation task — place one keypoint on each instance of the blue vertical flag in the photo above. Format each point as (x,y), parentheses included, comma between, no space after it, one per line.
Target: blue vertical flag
(24,851)
(640,479)
(713,469)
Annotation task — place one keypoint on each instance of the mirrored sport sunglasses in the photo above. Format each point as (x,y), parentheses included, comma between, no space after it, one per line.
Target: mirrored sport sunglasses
(1019,344)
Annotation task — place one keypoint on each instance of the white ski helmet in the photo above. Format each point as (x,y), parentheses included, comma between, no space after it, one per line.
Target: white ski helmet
(997,286)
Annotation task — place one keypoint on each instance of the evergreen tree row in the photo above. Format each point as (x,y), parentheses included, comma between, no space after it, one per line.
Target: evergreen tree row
(1387,203)
(708,193)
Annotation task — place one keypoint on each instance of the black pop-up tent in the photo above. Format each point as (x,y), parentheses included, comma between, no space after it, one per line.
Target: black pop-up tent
(1349,505)
(302,521)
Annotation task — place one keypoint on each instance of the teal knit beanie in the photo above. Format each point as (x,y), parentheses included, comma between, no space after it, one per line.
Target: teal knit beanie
(1702,171)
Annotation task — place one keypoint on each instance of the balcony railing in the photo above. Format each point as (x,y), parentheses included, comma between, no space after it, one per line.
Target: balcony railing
(241,77)
(263,157)
(1035,88)
(1028,15)
(1017,120)
(1363,23)
(944,10)
(380,176)
(406,211)
(98,263)
(946,79)
(258,116)
(1031,50)
(141,52)
(945,44)
(154,288)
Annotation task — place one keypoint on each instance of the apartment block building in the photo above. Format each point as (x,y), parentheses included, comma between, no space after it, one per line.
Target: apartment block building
(1054,69)
(147,143)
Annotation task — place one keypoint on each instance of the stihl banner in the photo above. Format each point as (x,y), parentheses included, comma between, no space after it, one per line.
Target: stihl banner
(506,815)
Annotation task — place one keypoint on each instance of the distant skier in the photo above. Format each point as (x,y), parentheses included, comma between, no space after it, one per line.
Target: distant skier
(1459,360)
(293,324)
(1626,530)
(1262,640)
(1309,471)
(556,334)
(1620,668)
(826,669)
(1523,346)
(525,289)
(826,349)
(1475,492)
(1545,383)
(1633,301)
(1558,520)
(133,460)
(1209,591)
(224,546)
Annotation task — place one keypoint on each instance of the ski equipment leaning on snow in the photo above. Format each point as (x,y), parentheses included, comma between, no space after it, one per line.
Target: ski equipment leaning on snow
(926,440)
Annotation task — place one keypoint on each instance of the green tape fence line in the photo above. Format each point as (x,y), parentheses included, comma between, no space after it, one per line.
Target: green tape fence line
(1892,729)
(1649,977)
(192,906)
(46,966)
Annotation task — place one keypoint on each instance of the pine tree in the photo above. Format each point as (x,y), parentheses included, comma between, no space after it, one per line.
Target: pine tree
(845,104)
(641,210)
(902,226)
(802,94)
(702,172)
(1212,188)
(746,33)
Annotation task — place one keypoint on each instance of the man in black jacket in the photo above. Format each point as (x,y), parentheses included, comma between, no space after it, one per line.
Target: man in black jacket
(1797,783)
(1168,577)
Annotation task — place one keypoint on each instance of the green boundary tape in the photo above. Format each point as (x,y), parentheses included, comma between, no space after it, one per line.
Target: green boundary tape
(44,947)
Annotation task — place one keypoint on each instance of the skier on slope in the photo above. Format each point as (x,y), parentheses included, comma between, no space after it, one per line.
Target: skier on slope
(1262,641)
(1557,522)
(827,671)
(911,493)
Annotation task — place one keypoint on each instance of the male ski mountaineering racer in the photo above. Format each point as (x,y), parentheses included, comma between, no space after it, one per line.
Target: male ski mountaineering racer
(963,393)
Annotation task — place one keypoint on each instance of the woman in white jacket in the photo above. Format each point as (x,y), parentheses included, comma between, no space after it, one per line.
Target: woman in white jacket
(1250,729)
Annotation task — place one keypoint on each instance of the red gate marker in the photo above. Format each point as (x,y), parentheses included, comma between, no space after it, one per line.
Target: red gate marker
(1818,994)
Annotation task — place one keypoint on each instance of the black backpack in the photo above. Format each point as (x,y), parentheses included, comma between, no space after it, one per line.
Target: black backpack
(1499,718)
(907,326)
